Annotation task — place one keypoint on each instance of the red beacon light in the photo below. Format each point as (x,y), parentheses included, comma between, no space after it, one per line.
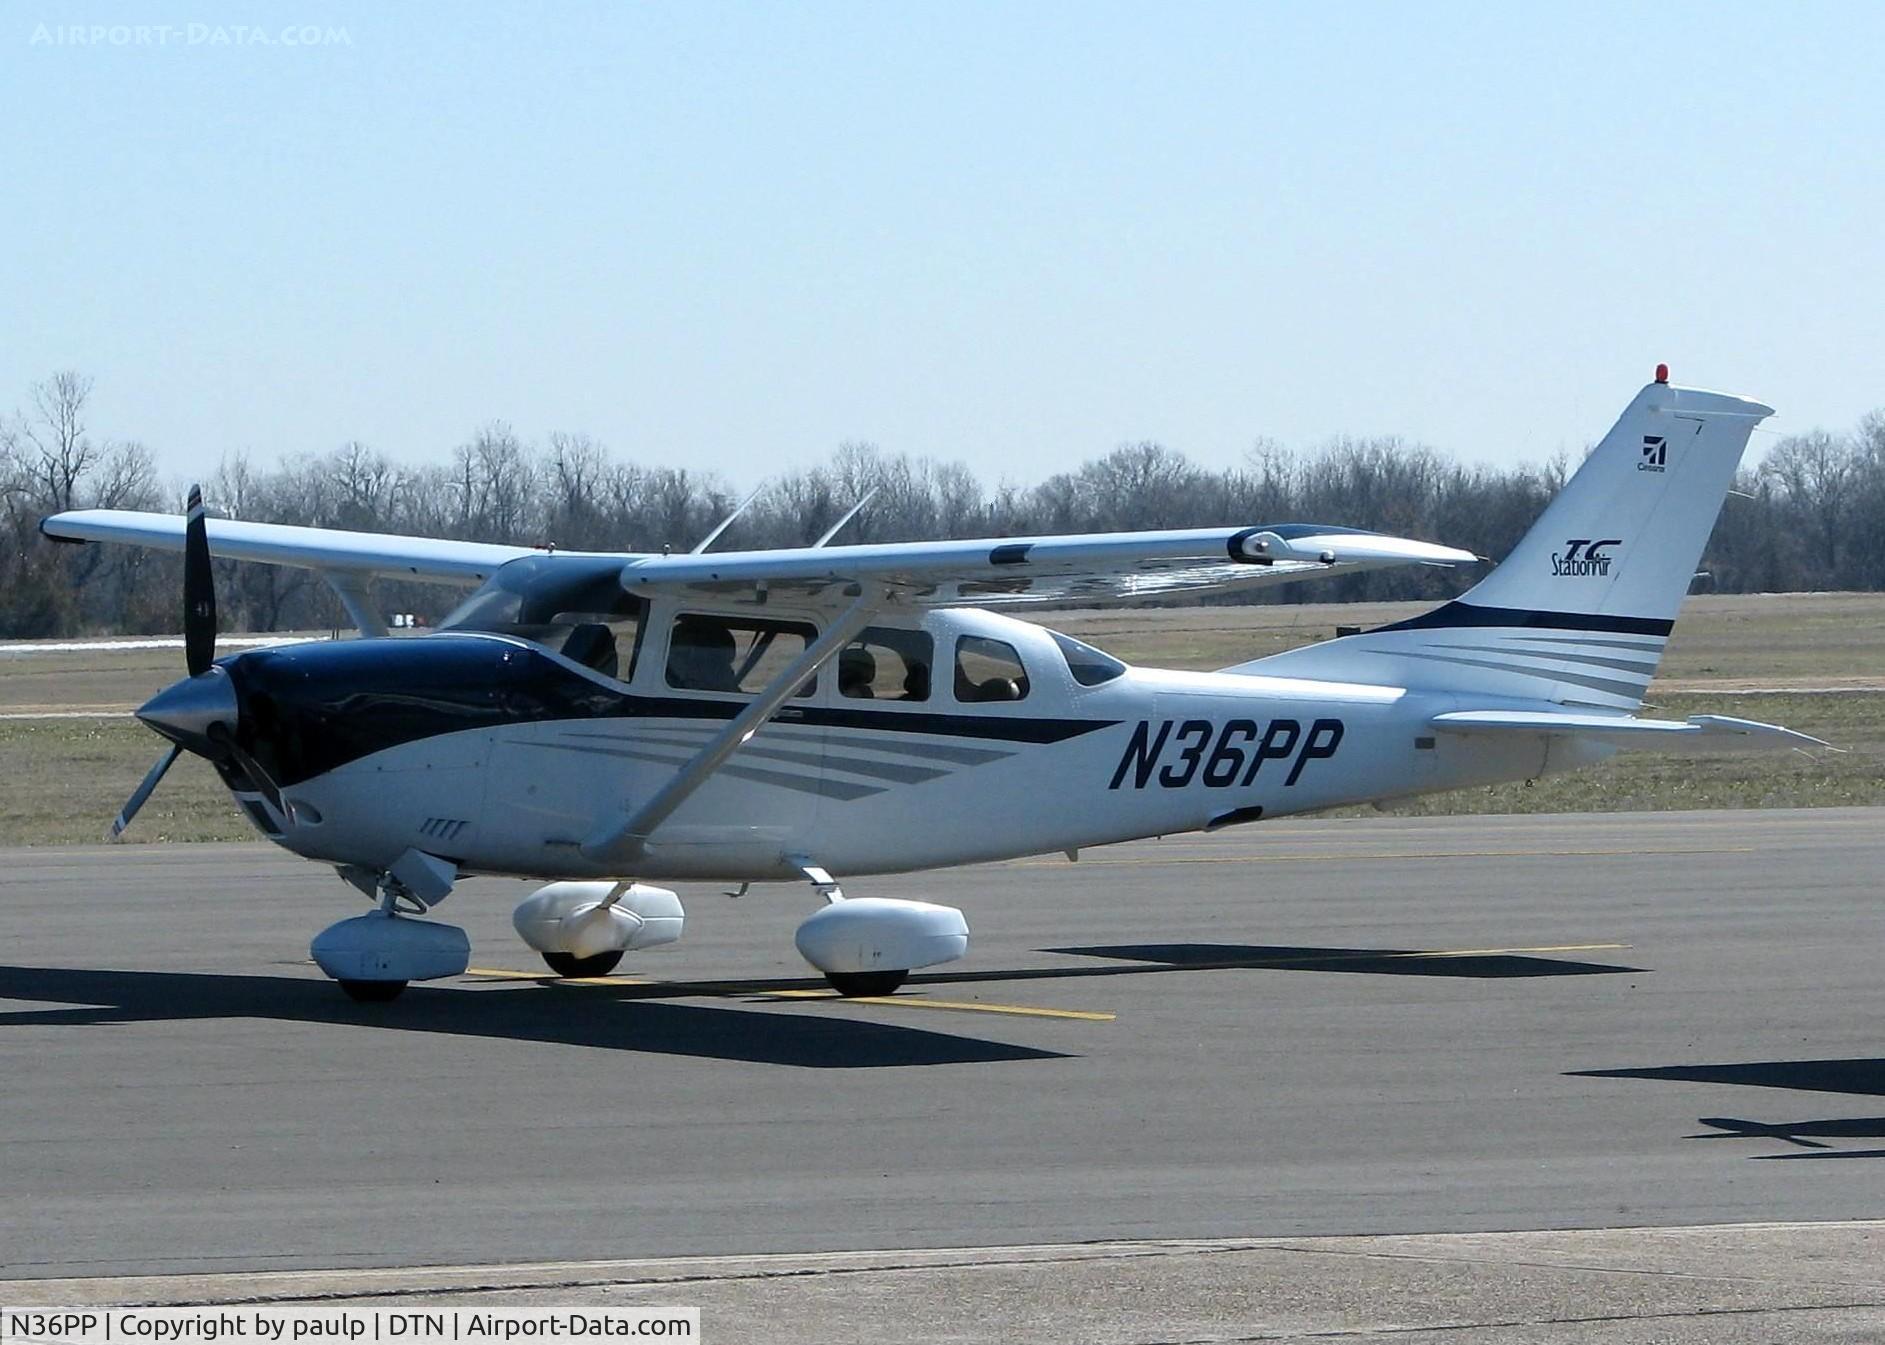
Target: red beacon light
(1662,373)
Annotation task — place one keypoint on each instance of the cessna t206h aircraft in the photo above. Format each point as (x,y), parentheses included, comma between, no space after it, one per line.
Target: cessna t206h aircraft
(602,719)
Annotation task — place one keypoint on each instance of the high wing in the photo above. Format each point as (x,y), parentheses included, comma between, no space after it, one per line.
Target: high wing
(994,572)
(332,551)
(985,572)
(1697,733)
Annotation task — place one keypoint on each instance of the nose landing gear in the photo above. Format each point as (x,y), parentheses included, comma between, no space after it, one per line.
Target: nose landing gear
(374,956)
(371,992)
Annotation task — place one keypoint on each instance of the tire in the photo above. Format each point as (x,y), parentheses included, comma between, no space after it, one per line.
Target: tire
(372,992)
(864,984)
(569,965)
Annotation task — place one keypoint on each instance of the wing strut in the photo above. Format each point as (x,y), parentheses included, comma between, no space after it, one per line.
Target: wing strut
(626,839)
(357,598)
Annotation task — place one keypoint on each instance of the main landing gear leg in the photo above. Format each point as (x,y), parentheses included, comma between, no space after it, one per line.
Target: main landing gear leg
(867,946)
(571,967)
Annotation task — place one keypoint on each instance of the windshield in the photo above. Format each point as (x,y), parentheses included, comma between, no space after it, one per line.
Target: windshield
(573,604)
(1089,666)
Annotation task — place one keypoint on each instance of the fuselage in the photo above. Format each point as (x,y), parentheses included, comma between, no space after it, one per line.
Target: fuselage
(501,753)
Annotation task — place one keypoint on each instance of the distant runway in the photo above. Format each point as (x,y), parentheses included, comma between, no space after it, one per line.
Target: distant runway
(28,648)
(1358,1026)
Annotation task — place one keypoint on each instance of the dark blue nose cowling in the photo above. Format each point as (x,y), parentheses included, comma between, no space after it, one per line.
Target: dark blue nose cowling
(307,709)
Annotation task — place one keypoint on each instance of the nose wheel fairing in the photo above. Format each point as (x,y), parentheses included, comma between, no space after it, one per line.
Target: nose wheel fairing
(384,950)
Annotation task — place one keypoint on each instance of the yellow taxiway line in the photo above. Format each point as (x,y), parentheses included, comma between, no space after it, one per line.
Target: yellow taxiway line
(1507,952)
(503,974)
(960,1005)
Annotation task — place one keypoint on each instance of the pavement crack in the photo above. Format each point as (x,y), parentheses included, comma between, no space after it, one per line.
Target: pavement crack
(1435,1259)
(1512,1323)
(499,1284)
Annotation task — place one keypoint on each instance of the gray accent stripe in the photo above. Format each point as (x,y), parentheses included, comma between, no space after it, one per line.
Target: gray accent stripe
(1620,664)
(1651,644)
(881,770)
(1615,688)
(973,756)
(842,790)
(877,770)
(879,741)
(810,738)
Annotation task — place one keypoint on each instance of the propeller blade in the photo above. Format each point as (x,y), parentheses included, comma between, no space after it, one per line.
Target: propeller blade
(199,590)
(252,768)
(143,792)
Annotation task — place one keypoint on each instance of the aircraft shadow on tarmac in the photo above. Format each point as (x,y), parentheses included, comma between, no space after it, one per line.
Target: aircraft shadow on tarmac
(648,1022)
(1146,959)
(816,1041)
(1368,961)
(651,1023)
(1862,1077)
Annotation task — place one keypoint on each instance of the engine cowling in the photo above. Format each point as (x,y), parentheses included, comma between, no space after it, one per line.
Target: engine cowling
(573,918)
(872,934)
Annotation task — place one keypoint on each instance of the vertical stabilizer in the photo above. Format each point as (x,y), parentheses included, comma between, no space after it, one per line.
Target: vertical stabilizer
(1580,610)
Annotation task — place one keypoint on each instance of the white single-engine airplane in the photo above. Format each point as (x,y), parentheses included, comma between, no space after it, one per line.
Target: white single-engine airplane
(766,715)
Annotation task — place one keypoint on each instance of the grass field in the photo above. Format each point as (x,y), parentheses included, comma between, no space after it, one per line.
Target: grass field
(1720,642)
(1814,662)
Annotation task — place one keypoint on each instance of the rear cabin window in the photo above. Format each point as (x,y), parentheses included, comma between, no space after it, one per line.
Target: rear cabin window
(988,670)
(1089,666)
(743,654)
(884,664)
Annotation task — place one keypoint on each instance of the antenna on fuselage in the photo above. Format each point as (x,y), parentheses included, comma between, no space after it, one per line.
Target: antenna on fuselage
(725,523)
(852,513)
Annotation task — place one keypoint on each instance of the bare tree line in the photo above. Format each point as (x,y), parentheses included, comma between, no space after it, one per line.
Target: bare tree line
(1806,517)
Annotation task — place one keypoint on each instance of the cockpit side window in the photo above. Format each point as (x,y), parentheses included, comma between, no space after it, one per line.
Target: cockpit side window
(887,664)
(607,643)
(1090,667)
(734,654)
(988,670)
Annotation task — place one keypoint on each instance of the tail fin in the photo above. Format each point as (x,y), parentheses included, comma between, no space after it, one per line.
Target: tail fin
(1580,611)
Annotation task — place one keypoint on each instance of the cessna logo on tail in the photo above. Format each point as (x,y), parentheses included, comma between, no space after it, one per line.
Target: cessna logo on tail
(1655,454)
(1583,557)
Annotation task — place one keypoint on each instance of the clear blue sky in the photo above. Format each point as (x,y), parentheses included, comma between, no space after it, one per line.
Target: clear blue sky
(730,236)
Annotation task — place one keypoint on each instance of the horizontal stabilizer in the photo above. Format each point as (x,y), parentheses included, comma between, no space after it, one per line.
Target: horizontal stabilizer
(1697,733)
